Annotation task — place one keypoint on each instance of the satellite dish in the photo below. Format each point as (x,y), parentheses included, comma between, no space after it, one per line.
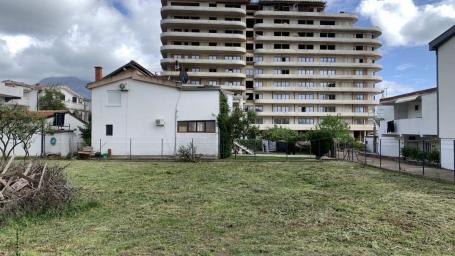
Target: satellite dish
(122,86)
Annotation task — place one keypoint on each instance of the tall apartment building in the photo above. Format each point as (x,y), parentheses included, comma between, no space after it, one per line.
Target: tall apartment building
(288,60)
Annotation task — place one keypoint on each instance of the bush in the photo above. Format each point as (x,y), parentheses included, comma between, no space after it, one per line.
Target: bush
(188,153)
(55,194)
(433,156)
(281,134)
(406,152)
(321,142)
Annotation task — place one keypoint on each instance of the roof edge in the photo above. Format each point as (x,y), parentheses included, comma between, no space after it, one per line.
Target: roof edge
(441,39)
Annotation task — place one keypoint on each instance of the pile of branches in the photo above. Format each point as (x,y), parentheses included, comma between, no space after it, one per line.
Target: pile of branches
(32,187)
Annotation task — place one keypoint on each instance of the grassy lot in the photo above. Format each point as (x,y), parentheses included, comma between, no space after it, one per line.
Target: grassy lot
(243,208)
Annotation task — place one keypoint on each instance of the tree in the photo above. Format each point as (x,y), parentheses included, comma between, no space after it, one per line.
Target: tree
(52,100)
(336,128)
(17,127)
(233,126)
(321,142)
(86,133)
(281,134)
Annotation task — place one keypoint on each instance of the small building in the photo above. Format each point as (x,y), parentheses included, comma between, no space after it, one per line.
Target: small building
(444,45)
(62,135)
(408,120)
(139,114)
(18,93)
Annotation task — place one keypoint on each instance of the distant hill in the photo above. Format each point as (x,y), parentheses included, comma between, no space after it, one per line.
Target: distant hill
(76,84)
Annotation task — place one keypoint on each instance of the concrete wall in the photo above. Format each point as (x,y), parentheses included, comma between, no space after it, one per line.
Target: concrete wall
(447,154)
(134,120)
(446,86)
(390,146)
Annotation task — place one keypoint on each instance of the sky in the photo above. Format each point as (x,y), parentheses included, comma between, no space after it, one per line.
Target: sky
(46,38)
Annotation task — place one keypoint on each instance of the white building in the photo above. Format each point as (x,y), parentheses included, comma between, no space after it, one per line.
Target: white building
(409,120)
(136,113)
(63,136)
(444,46)
(74,102)
(17,93)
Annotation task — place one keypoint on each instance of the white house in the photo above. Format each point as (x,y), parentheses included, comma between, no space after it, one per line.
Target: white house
(17,93)
(409,120)
(74,102)
(136,113)
(62,137)
(444,45)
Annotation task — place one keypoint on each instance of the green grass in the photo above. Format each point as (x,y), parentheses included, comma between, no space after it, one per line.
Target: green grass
(242,208)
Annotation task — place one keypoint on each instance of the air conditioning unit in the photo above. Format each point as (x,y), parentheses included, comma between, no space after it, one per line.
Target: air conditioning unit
(123,87)
(159,122)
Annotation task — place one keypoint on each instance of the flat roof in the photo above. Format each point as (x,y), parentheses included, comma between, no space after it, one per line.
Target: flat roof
(444,37)
(406,95)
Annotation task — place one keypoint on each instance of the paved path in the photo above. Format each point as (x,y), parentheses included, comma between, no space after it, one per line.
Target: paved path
(395,165)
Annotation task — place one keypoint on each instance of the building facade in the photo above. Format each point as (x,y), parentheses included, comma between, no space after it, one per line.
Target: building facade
(20,94)
(288,60)
(138,114)
(408,120)
(444,46)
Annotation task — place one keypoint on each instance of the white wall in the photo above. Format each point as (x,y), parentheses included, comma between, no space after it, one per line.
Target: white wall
(135,119)
(390,146)
(446,86)
(447,154)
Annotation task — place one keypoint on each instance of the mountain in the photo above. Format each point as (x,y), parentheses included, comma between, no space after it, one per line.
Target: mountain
(76,84)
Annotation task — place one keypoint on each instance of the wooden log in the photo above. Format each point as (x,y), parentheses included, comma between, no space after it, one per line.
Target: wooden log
(18,174)
(8,164)
(42,177)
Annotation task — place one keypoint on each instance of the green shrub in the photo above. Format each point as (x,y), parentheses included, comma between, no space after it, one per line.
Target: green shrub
(406,152)
(321,142)
(188,153)
(433,156)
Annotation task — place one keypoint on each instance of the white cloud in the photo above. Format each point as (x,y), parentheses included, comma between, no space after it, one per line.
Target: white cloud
(69,37)
(404,23)
(405,66)
(392,88)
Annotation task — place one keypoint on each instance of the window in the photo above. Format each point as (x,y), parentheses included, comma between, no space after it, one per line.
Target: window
(212,31)
(114,98)
(359,109)
(305,34)
(305,96)
(258,59)
(258,96)
(359,72)
(305,59)
(327,47)
(249,47)
(327,22)
(250,34)
(359,36)
(328,59)
(305,120)
(330,109)
(249,72)
(74,99)
(327,72)
(259,121)
(213,44)
(306,46)
(259,46)
(281,71)
(281,121)
(359,97)
(281,21)
(327,35)
(281,46)
(281,84)
(305,84)
(196,127)
(358,48)
(195,70)
(109,130)
(306,109)
(259,71)
(281,33)
(257,84)
(281,96)
(305,72)
(416,107)
(259,108)
(212,57)
(249,84)
(280,109)
(306,22)
(327,85)
(213,83)
(359,85)
(327,97)
(59,119)
(212,70)
(281,59)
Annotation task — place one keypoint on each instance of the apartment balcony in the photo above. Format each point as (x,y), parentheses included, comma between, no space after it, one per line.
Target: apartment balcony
(319,77)
(303,127)
(212,24)
(234,88)
(353,53)
(414,126)
(11,92)
(204,62)
(207,74)
(319,64)
(312,114)
(299,27)
(317,102)
(202,10)
(342,40)
(201,49)
(212,37)
(318,89)
(309,15)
